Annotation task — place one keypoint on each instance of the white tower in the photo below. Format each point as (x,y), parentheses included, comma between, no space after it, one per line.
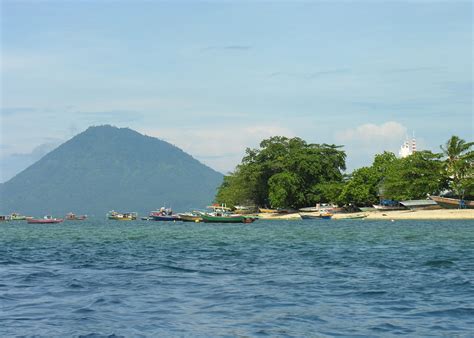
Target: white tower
(408,148)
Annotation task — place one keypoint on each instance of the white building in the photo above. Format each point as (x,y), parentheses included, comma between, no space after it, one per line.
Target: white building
(408,148)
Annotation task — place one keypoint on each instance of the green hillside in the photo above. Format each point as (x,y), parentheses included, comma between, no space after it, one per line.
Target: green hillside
(107,168)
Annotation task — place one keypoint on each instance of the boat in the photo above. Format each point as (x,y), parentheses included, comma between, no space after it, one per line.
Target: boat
(316,216)
(126,216)
(221,214)
(388,205)
(420,204)
(164,214)
(17,217)
(452,203)
(4,218)
(194,216)
(354,217)
(231,218)
(73,217)
(267,211)
(45,220)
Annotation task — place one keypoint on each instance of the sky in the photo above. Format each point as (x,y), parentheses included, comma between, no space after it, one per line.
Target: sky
(216,77)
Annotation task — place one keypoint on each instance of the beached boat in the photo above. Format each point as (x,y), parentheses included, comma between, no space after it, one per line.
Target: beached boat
(164,214)
(316,216)
(354,217)
(420,204)
(452,203)
(73,217)
(45,220)
(267,211)
(388,205)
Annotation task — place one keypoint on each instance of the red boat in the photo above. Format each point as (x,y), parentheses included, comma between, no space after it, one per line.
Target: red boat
(45,220)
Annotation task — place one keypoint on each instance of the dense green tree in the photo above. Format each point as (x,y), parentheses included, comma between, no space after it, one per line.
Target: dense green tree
(459,166)
(364,184)
(414,176)
(283,172)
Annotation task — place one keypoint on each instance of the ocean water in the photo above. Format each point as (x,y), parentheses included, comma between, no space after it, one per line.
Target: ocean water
(269,278)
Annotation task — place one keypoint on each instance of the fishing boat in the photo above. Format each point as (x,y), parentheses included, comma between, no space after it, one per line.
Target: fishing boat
(194,216)
(45,220)
(222,214)
(164,214)
(17,217)
(231,218)
(73,217)
(452,203)
(126,216)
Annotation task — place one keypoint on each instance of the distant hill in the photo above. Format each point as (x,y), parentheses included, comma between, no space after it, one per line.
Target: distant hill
(108,168)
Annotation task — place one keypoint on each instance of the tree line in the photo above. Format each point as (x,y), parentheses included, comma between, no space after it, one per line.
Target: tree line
(291,173)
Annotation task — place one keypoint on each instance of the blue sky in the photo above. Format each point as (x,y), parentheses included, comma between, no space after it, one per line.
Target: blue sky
(216,77)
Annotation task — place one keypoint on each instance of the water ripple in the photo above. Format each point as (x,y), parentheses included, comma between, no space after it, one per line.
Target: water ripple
(109,279)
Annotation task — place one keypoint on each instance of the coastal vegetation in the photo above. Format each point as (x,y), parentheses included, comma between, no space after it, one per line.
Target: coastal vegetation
(291,173)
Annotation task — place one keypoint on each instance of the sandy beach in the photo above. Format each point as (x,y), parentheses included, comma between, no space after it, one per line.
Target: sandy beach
(388,215)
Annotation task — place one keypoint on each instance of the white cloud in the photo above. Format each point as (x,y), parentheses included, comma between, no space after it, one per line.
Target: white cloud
(219,146)
(370,133)
(363,142)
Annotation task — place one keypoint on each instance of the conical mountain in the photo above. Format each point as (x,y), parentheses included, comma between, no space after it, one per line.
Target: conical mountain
(108,168)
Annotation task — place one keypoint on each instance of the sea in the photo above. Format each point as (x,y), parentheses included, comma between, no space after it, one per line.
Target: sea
(323,278)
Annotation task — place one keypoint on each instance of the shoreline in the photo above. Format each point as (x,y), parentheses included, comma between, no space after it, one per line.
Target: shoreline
(437,214)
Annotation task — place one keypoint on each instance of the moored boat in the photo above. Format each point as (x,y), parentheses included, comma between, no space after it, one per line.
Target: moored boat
(126,216)
(73,217)
(17,217)
(191,217)
(45,220)
(232,218)
(452,203)
(164,214)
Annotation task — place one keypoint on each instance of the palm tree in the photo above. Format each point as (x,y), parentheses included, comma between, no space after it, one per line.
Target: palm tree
(459,164)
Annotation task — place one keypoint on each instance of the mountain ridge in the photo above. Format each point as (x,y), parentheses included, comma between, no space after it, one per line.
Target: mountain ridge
(106,168)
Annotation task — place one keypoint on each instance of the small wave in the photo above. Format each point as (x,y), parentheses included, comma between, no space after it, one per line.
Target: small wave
(455,312)
(99,335)
(439,263)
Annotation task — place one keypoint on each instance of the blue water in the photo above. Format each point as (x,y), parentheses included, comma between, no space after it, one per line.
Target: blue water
(277,278)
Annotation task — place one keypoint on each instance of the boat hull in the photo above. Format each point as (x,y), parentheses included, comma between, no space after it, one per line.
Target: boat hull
(45,221)
(316,216)
(452,203)
(190,218)
(227,219)
(165,218)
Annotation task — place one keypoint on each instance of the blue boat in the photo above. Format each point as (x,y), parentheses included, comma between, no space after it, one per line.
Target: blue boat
(164,214)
